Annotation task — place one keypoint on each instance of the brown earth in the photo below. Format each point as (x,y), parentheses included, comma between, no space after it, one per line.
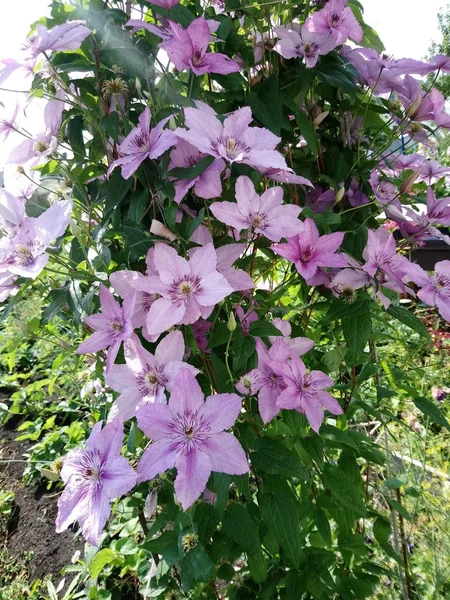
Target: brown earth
(31,526)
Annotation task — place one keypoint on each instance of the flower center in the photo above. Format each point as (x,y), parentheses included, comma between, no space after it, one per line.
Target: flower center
(335,20)
(197,59)
(185,288)
(306,254)
(141,142)
(117,326)
(24,256)
(40,147)
(189,431)
(151,378)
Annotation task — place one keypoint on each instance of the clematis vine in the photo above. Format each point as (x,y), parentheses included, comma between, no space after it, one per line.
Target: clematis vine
(188,289)
(187,49)
(232,141)
(188,433)
(309,251)
(261,215)
(144,377)
(305,392)
(111,327)
(94,476)
(143,142)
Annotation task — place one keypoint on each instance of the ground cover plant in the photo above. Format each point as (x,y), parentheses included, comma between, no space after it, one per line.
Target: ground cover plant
(213,323)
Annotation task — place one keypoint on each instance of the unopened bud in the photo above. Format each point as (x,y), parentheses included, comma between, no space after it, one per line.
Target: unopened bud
(231,325)
(20,169)
(412,110)
(340,194)
(318,120)
(158,228)
(406,186)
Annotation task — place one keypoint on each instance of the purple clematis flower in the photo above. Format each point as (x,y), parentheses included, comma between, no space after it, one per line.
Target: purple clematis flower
(379,252)
(234,140)
(261,215)
(297,42)
(207,185)
(163,30)
(168,4)
(44,143)
(384,191)
(144,376)
(238,279)
(264,380)
(8,123)
(143,142)
(438,210)
(337,20)
(355,195)
(283,176)
(67,36)
(112,326)
(187,49)
(24,254)
(318,200)
(309,251)
(7,287)
(188,290)
(305,392)
(431,171)
(298,345)
(12,212)
(94,476)
(188,433)
(435,288)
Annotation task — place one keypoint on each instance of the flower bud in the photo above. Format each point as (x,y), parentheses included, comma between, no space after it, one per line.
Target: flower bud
(318,120)
(231,325)
(158,228)
(412,110)
(340,194)
(406,186)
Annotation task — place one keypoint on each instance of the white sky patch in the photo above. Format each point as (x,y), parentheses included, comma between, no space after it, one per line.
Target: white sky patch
(406,27)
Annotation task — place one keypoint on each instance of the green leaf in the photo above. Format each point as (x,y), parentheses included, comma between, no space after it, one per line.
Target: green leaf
(280,513)
(342,310)
(400,509)
(198,565)
(304,123)
(258,567)
(194,224)
(382,530)
(323,525)
(162,542)
(265,104)
(430,409)
(344,489)
(241,528)
(410,320)
(74,132)
(272,456)
(263,329)
(101,559)
(356,334)
(191,172)
(371,39)
(242,349)
(220,375)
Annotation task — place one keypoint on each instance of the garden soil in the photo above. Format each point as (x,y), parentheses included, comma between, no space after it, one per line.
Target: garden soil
(31,526)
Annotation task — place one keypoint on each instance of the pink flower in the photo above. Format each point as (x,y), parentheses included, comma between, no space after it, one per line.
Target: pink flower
(431,171)
(385,192)
(144,377)
(112,327)
(67,36)
(8,123)
(143,142)
(188,290)
(438,210)
(24,254)
(261,215)
(305,392)
(188,433)
(309,251)
(319,200)
(296,42)
(297,345)
(238,279)
(337,20)
(434,289)
(168,4)
(207,185)
(94,476)
(234,140)
(12,211)
(187,49)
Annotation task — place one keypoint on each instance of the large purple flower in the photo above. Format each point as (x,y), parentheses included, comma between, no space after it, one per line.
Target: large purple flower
(305,392)
(309,250)
(188,433)
(297,42)
(435,288)
(207,185)
(67,36)
(24,254)
(188,289)
(144,376)
(112,326)
(187,49)
(143,142)
(94,476)
(234,140)
(337,20)
(261,215)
